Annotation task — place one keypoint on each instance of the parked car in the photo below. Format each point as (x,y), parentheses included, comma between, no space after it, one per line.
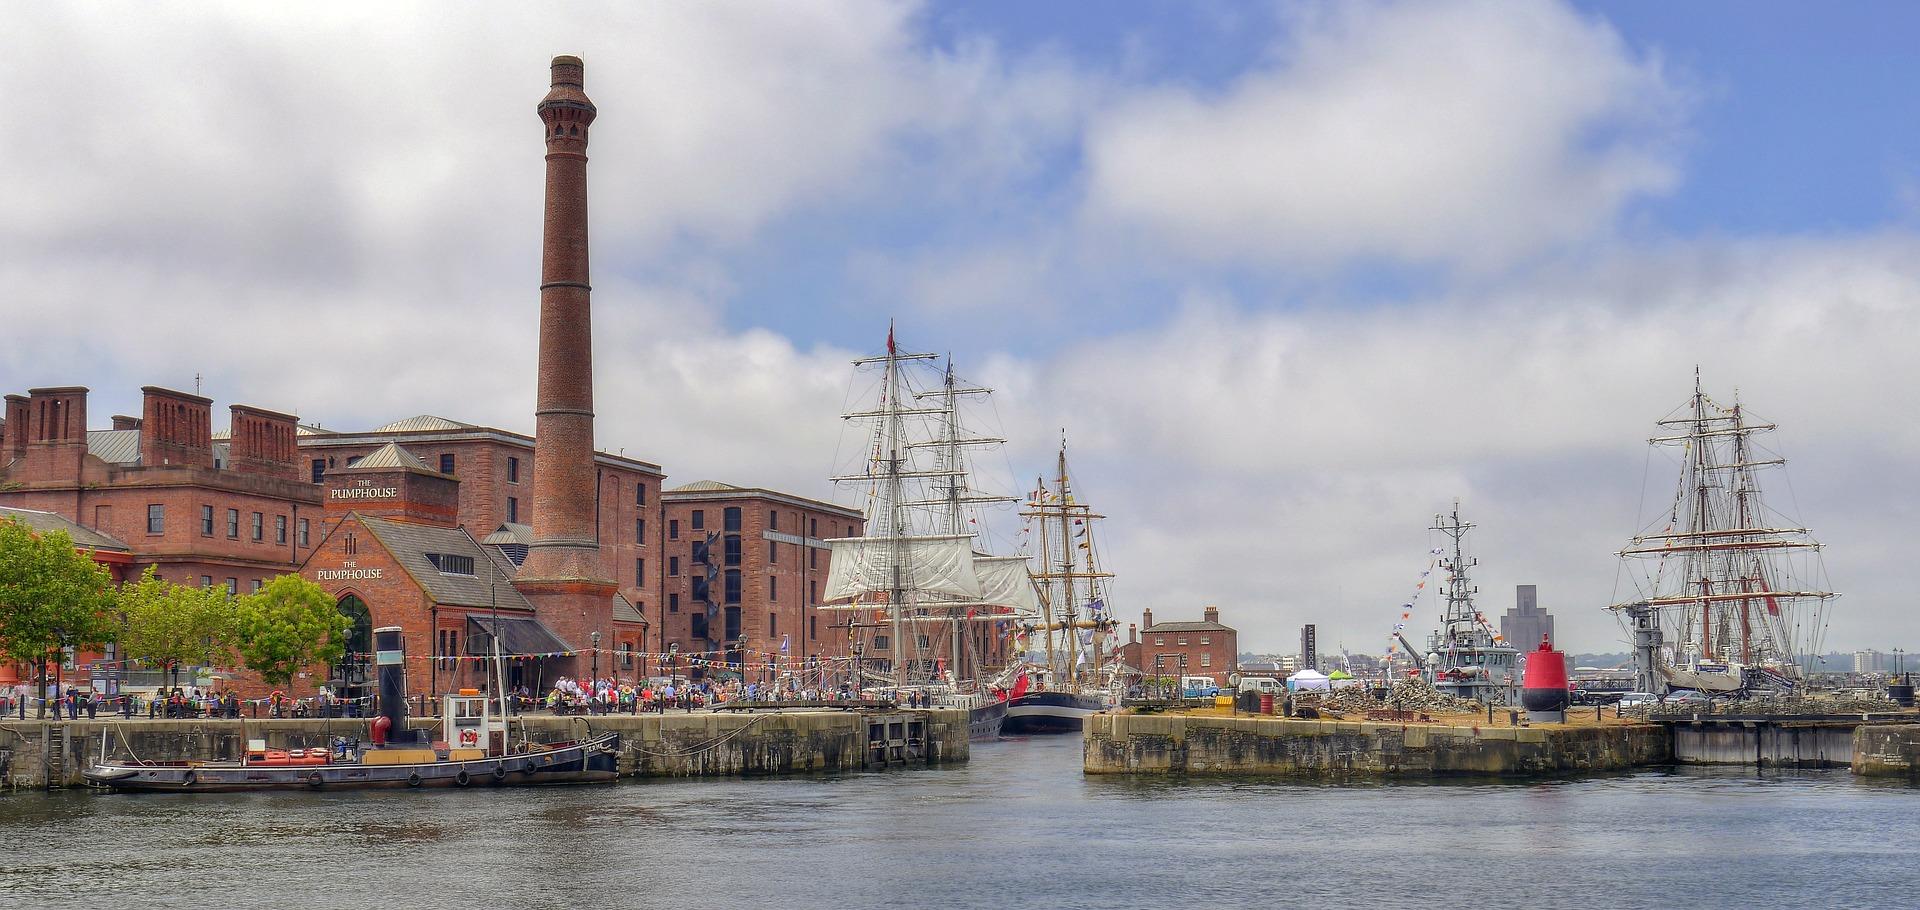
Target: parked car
(1266,684)
(1687,696)
(1198,687)
(1637,699)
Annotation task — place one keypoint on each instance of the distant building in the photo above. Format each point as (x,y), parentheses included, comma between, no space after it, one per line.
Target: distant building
(1208,648)
(1525,624)
(1871,662)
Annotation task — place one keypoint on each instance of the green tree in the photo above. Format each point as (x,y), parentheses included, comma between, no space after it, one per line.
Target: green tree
(287,626)
(171,625)
(52,596)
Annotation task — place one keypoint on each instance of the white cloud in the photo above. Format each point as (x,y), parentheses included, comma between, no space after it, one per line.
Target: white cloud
(1470,133)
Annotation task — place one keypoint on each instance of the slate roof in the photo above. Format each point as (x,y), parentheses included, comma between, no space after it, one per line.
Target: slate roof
(510,533)
(114,446)
(1186,627)
(518,635)
(410,543)
(391,456)
(702,486)
(624,611)
(423,422)
(49,521)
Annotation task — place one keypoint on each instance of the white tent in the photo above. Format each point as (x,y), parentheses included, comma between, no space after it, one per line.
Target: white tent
(1309,681)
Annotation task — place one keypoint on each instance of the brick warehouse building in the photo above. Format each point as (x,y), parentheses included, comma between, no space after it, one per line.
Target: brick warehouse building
(1210,649)
(743,572)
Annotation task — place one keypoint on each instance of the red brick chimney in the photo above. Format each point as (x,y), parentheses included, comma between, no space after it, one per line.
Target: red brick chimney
(262,442)
(13,444)
(1146,620)
(1210,614)
(564,574)
(123,422)
(175,428)
(56,433)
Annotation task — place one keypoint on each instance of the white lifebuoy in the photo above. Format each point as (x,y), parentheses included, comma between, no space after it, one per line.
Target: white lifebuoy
(469,737)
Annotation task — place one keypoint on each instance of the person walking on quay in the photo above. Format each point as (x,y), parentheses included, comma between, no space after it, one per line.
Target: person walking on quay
(93,706)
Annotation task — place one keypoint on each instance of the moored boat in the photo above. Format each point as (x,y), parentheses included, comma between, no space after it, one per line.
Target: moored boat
(473,751)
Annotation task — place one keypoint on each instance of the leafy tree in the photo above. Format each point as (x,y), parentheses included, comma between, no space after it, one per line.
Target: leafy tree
(52,596)
(287,626)
(170,625)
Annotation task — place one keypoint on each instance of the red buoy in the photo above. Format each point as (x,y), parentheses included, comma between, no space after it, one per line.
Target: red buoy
(1543,686)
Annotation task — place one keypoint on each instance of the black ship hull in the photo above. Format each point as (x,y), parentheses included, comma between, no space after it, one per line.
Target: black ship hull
(986,721)
(589,761)
(1050,712)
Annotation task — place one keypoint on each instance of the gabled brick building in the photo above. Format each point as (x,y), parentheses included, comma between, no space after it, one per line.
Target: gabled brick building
(1207,647)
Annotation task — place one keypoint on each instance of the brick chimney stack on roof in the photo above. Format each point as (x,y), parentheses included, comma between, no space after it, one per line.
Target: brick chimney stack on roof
(176,428)
(1210,614)
(1146,619)
(14,444)
(263,442)
(564,561)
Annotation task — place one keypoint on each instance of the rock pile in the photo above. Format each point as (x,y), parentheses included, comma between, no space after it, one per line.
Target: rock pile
(1826,703)
(1405,695)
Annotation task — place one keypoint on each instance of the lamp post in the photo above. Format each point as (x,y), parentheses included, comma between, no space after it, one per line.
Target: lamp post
(596,656)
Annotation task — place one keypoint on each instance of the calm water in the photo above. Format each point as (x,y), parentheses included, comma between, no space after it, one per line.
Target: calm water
(1017,827)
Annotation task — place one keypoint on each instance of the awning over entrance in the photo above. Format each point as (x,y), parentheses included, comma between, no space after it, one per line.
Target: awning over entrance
(518,635)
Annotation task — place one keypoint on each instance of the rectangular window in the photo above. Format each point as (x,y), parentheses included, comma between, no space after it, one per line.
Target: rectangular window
(773,587)
(698,552)
(813,627)
(773,520)
(773,628)
(732,544)
(733,623)
(697,625)
(626,655)
(700,591)
(513,469)
(446,464)
(673,602)
(1159,640)
(233,586)
(256,584)
(920,641)
(206,581)
(305,540)
(1205,640)
(673,567)
(1206,660)
(233,524)
(319,469)
(156,519)
(813,558)
(640,573)
(699,517)
(206,520)
(813,592)
(773,551)
(451,563)
(813,527)
(731,518)
(640,531)
(673,529)
(513,509)
(639,494)
(279,529)
(1183,639)
(259,527)
(733,586)
(880,642)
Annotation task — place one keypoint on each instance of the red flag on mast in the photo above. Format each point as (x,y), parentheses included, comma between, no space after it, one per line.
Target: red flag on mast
(889,337)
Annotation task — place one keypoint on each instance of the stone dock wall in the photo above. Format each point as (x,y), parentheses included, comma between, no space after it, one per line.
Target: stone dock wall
(41,754)
(1144,743)
(1765,744)
(1887,750)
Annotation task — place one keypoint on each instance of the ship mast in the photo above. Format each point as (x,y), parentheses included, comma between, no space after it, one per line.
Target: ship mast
(1459,591)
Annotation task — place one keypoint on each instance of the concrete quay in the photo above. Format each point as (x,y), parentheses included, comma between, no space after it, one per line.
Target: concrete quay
(42,754)
(1163,743)
(1887,750)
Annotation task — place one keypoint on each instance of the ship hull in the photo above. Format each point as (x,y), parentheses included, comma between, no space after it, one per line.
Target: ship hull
(986,721)
(591,761)
(1049,712)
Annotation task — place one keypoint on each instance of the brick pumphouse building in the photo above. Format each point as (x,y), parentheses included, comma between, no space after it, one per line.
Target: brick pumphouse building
(743,573)
(1209,648)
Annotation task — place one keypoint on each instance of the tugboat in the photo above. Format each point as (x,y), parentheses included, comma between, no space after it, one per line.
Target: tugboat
(1465,657)
(474,750)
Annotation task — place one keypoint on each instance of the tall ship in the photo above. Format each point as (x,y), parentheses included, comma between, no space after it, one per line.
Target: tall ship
(1465,658)
(928,600)
(1076,675)
(1730,594)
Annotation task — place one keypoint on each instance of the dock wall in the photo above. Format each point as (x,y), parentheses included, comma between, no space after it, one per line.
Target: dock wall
(37,754)
(1141,743)
(1766,744)
(1887,750)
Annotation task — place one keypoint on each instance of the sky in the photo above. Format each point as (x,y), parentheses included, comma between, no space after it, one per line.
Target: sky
(1293,277)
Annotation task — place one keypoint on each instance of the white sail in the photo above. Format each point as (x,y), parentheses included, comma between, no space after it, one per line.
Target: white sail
(1005,582)
(933,564)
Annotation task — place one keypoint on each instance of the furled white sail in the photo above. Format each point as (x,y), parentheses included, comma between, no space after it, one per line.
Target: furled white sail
(1005,582)
(934,564)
